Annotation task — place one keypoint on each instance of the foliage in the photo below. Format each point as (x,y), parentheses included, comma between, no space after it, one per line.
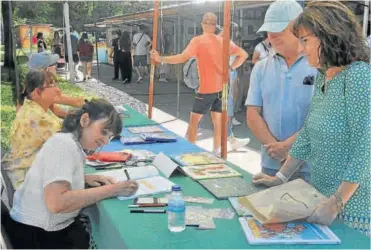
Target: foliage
(81,12)
(7,110)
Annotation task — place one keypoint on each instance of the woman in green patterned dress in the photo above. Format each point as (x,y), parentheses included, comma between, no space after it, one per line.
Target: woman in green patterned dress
(336,136)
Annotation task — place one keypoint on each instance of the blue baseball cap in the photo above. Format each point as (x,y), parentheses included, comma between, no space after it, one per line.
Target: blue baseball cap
(280,14)
(42,60)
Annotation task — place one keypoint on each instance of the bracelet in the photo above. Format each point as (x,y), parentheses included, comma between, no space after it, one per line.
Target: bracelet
(283,178)
(339,201)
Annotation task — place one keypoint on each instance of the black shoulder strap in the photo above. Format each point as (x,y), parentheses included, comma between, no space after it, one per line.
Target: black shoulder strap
(190,65)
(140,38)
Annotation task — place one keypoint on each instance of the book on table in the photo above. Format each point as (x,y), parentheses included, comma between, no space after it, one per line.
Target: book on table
(148,178)
(224,188)
(158,137)
(134,140)
(286,233)
(291,201)
(196,158)
(212,171)
(145,129)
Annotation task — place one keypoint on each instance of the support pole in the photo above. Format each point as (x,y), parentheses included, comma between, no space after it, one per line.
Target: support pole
(226,41)
(153,63)
(366,17)
(178,67)
(30,27)
(96,40)
(71,64)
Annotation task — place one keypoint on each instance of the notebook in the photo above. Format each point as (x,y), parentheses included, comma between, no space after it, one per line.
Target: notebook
(198,158)
(158,137)
(145,129)
(148,177)
(286,233)
(224,188)
(210,171)
(134,140)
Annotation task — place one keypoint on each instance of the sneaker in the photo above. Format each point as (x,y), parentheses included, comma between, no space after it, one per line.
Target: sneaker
(139,79)
(235,122)
(216,152)
(125,81)
(237,143)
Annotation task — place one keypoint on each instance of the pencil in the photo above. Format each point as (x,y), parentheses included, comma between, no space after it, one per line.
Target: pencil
(127,174)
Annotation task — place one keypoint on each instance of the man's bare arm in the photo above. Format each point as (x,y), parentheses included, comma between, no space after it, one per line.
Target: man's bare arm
(241,58)
(258,126)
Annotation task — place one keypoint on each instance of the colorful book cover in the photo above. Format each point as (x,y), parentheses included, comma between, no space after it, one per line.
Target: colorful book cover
(145,129)
(239,205)
(198,158)
(286,233)
(224,188)
(210,171)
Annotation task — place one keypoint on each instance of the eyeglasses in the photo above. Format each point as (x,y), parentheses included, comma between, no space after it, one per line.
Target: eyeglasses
(51,85)
(209,23)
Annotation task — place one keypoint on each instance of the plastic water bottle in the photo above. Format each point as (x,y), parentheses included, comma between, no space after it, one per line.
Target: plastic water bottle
(176,210)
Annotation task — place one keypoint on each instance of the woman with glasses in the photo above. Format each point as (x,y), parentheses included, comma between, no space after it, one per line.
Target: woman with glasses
(336,136)
(45,212)
(33,125)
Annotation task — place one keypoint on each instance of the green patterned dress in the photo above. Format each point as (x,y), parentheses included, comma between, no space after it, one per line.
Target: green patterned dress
(336,140)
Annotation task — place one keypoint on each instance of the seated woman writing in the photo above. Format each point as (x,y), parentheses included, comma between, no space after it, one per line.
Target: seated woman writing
(46,207)
(33,125)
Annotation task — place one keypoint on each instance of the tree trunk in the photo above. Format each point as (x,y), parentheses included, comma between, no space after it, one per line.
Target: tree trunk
(8,41)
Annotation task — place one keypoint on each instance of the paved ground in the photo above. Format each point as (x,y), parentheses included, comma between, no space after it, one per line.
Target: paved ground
(165,112)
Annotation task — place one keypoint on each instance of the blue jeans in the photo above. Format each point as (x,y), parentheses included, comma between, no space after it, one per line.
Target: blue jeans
(304,175)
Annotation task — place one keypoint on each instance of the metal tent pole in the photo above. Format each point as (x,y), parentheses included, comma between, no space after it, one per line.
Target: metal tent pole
(153,63)
(68,39)
(96,41)
(366,17)
(226,41)
(178,67)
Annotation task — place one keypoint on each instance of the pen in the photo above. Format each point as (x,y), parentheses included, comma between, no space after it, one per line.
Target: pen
(152,211)
(147,205)
(127,174)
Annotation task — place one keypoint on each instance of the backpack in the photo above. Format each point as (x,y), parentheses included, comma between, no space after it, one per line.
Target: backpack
(190,73)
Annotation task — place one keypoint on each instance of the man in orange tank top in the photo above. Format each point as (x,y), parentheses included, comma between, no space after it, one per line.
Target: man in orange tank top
(207,49)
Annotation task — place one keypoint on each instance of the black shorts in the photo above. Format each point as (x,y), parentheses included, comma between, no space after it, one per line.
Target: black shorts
(206,102)
(140,61)
(30,237)
(75,58)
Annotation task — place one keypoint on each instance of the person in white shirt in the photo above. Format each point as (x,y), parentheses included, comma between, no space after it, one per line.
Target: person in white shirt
(141,43)
(263,49)
(45,212)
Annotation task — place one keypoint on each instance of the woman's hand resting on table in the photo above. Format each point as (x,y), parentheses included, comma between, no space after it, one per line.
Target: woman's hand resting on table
(266,180)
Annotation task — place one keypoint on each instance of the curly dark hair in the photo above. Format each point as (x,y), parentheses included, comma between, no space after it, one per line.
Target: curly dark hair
(338,30)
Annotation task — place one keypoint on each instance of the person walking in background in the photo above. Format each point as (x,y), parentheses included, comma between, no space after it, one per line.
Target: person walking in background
(86,50)
(75,55)
(41,45)
(124,57)
(115,54)
(207,49)
(263,49)
(141,43)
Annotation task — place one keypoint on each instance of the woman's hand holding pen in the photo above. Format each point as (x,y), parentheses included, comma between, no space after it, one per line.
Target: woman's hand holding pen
(125,188)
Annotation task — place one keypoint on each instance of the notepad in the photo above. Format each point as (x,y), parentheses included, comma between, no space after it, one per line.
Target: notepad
(148,177)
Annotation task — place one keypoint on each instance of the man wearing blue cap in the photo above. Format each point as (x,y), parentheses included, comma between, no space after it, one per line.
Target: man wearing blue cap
(48,62)
(281,89)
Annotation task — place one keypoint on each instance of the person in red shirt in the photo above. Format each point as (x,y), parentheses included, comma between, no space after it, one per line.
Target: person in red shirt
(207,49)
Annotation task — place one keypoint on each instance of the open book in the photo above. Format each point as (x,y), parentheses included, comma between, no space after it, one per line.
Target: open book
(148,177)
(287,202)
(286,233)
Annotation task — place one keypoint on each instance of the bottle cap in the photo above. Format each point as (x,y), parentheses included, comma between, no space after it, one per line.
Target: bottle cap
(175,188)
